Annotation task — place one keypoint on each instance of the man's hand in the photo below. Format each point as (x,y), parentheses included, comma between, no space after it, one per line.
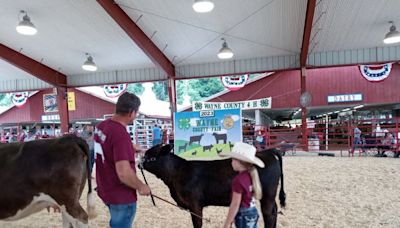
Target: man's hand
(137,147)
(144,190)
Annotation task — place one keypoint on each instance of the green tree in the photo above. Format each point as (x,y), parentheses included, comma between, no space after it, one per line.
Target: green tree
(180,91)
(136,88)
(160,89)
(5,99)
(203,88)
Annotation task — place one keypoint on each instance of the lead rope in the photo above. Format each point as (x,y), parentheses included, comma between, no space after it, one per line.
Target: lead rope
(198,216)
(145,181)
(184,209)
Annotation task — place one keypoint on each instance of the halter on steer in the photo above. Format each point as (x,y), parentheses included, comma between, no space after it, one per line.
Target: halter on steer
(152,195)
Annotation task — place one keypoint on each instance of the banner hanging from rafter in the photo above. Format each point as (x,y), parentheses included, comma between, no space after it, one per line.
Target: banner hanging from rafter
(20,98)
(234,82)
(376,73)
(114,90)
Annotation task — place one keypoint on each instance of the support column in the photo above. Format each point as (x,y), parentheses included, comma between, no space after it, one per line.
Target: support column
(62,103)
(257,117)
(326,131)
(303,110)
(172,96)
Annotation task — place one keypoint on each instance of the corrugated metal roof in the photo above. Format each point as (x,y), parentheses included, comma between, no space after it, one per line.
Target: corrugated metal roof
(265,35)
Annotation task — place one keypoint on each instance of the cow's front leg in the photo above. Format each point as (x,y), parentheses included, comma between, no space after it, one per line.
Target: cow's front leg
(196,220)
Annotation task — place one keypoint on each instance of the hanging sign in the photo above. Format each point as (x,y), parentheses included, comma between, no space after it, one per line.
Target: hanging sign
(203,135)
(51,118)
(114,90)
(234,82)
(50,102)
(264,103)
(71,101)
(375,73)
(20,98)
(345,98)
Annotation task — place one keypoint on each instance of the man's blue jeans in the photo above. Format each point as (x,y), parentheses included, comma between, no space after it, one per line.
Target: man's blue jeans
(246,218)
(122,215)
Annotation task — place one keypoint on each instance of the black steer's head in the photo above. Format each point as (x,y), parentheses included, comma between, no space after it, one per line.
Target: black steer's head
(155,158)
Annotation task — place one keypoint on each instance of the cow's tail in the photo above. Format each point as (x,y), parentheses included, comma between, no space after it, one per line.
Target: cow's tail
(90,197)
(282,194)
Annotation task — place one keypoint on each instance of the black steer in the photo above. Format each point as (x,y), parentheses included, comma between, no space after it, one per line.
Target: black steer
(197,184)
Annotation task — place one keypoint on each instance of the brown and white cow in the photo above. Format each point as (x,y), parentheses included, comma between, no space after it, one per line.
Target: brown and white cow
(45,173)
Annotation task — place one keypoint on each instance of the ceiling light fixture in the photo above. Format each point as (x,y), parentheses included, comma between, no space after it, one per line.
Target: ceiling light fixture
(225,52)
(393,36)
(89,64)
(25,26)
(203,6)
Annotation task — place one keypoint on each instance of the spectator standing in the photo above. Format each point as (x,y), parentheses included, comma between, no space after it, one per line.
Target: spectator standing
(45,135)
(87,135)
(356,139)
(116,177)
(31,135)
(12,138)
(156,135)
(164,135)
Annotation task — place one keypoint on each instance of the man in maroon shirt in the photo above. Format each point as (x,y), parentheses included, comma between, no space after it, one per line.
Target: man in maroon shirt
(115,163)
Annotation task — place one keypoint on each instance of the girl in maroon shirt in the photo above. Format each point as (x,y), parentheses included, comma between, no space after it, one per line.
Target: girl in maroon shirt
(245,186)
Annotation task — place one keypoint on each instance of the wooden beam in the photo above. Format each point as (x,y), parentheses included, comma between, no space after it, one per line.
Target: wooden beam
(32,67)
(62,103)
(307,32)
(138,36)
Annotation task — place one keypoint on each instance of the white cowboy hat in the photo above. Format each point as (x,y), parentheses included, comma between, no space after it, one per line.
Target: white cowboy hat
(244,152)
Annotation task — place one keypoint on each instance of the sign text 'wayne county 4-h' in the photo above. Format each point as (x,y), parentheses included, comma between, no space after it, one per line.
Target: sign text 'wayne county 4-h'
(264,103)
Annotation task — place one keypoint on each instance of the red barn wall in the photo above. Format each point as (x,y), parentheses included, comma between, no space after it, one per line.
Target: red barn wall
(283,87)
(22,114)
(87,106)
(346,80)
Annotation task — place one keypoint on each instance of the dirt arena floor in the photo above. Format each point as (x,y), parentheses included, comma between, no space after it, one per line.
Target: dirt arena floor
(321,192)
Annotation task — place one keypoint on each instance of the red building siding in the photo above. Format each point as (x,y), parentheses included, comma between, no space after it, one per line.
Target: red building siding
(346,80)
(87,106)
(283,87)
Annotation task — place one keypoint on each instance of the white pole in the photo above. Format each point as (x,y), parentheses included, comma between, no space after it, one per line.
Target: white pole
(326,131)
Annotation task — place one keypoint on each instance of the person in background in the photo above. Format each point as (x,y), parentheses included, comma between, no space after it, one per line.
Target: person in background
(87,135)
(156,135)
(7,137)
(116,177)
(22,136)
(378,132)
(45,135)
(12,138)
(246,186)
(387,144)
(31,135)
(164,135)
(356,139)
(171,137)
(38,135)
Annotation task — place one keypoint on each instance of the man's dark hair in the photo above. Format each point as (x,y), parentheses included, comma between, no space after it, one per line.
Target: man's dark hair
(127,103)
